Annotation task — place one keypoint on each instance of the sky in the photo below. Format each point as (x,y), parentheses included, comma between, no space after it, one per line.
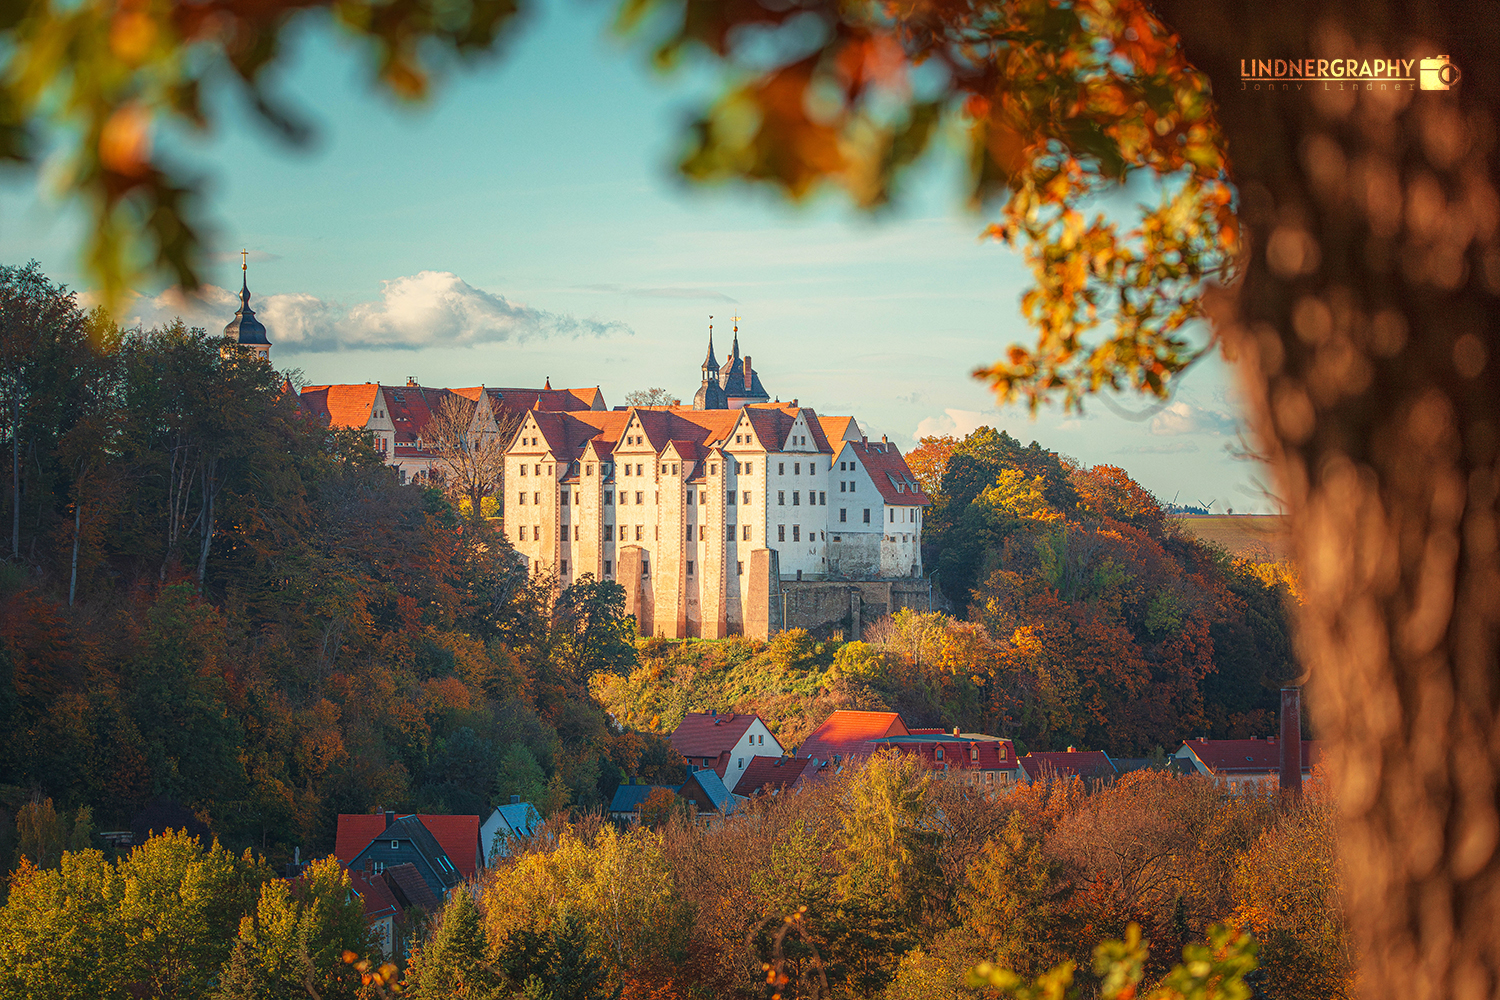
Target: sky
(528,223)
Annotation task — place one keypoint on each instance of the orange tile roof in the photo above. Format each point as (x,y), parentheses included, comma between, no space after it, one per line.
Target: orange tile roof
(835,428)
(850,732)
(342,405)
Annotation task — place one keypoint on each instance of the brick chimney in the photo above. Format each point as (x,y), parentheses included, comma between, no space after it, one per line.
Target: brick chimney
(1291,741)
(747,373)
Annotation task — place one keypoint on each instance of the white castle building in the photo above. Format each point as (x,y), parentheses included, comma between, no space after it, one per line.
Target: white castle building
(700,512)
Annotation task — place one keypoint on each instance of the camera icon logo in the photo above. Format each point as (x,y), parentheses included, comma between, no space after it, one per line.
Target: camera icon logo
(1438,73)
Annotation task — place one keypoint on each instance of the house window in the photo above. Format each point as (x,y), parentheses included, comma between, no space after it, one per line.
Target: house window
(609,497)
(796,468)
(841,466)
(395,845)
(867,515)
(843,513)
(781,468)
(747,532)
(739,569)
(893,516)
(843,486)
(740,762)
(690,567)
(796,498)
(781,532)
(746,497)
(609,567)
(781,498)
(822,499)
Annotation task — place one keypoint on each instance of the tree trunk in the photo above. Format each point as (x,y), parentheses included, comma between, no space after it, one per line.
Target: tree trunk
(77,537)
(15,474)
(1367,332)
(210,492)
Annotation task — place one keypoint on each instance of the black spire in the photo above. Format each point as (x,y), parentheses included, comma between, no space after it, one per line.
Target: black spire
(245,329)
(710,364)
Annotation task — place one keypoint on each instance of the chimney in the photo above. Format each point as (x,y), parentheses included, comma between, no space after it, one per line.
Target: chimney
(1291,741)
(747,373)
(411,381)
(390,817)
(864,440)
(955,730)
(515,800)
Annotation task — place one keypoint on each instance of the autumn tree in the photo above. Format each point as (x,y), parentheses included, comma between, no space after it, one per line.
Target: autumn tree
(654,396)
(470,450)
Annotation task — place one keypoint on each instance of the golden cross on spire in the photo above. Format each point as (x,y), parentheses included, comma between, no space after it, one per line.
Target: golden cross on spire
(736,322)
(710,324)
(244,260)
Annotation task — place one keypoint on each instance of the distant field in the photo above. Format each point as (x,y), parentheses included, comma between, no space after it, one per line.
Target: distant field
(1255,536)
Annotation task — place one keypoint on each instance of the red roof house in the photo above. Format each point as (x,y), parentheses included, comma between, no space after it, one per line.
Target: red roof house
(1090,765)
(773,774)
(1235,761)
(851,733)
(457,835)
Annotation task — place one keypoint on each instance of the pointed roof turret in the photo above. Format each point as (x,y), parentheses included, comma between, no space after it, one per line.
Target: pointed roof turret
(245,329)
(710,364)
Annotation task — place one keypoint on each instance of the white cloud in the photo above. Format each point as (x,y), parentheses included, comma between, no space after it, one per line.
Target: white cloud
(958,423)
(1185,418)
(427,309)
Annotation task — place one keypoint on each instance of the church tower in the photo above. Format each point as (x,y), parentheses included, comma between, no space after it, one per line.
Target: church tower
(245,329)
(710,394)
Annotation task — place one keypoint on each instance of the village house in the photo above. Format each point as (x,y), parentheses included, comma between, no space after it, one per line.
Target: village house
(771,775)
(1092,766)
(515,820)
(445,850)
(723,743)
(1241,765)
(703,789)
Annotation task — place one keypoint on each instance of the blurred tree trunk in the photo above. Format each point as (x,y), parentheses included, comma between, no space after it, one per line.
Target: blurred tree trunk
(1367,331)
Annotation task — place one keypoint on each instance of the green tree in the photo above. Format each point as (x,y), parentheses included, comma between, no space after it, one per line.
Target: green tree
(597,634)
(293,945)
(1017,901)
(60,932)
(455,962)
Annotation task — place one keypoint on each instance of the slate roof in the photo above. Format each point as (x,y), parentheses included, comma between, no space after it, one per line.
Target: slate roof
(719,797)
(773,773)
(850,732)
(893,478)
(245,328)
(628,798)
(1248,756)
(1069,763)
(514,819)
(707,734)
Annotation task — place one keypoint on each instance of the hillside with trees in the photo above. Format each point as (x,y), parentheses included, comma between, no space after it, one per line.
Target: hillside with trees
(1087,618)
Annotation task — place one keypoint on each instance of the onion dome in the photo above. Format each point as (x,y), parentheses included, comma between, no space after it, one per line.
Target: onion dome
(245,328)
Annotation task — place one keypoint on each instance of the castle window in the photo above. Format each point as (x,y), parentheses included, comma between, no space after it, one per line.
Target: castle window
(523,468)
(690,496)
(748,468)
(796,532)
(664,468)
(690,567)
(728,532)
(536,498)
(796,468)
(564,498)
(781,532)
(713,468)
(565,567)
(609,497)
(674,468)
(867,515)
(822,499)
(638,495)
(521,533)
(536,532)
(747,532)
(609,567)
(747,496)
(622,532)
(523,498)
(689,535)
(627,468)
(739,568)
(893,515)
(575,532)
(843,514)
(796,498)
(637,532)
(700,533)
(780,498)
(729,498)
(736,468)
(588,470)
(843,486)
(781,468)
(638,471)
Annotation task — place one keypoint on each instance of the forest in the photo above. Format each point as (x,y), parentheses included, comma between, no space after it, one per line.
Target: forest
(217,610)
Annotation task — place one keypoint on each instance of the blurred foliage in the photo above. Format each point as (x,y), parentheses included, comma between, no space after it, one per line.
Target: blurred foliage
(1052,105)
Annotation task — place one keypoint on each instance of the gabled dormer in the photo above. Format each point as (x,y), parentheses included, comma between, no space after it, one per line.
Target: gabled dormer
(597,460)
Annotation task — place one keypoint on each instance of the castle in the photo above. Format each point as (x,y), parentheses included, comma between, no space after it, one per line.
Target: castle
(698,512)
